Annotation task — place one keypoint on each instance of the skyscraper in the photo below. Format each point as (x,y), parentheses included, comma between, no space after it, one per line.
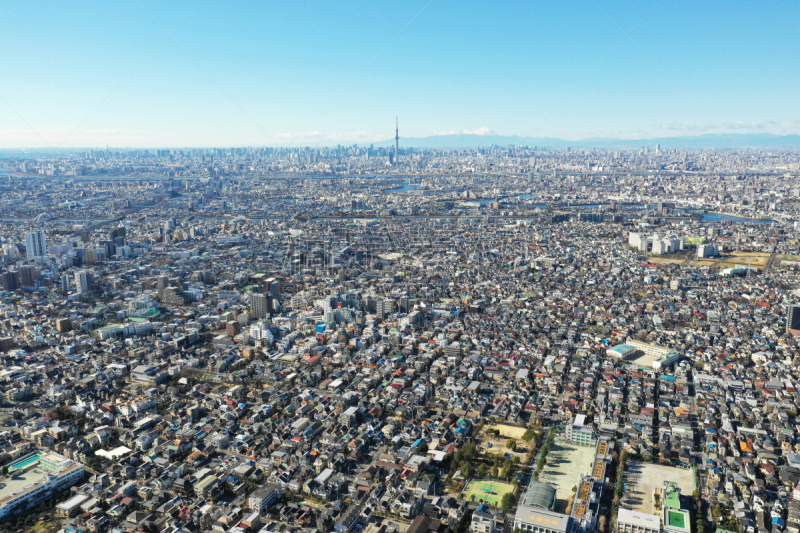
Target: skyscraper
(792,317)
(396,142)
(35,244)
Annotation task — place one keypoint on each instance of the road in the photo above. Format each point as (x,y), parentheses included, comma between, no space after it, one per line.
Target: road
(769,262)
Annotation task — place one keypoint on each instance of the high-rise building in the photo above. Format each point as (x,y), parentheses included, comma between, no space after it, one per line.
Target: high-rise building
(260,305)
(792,317)
(162,284)
(65,284)
(84,281)
(27,275)
(233,328)
(384,308)
(11,280)
(36,244)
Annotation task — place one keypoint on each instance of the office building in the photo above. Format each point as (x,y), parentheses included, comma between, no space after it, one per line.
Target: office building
(36,244)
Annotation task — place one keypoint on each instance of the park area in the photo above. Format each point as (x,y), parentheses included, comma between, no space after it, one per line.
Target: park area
(487,491)
(565,463)
(640,479)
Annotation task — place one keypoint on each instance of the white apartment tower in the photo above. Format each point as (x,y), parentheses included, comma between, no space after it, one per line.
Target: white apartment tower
(82,281)
(35,244)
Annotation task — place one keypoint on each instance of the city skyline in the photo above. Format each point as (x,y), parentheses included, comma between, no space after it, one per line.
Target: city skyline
(202,74)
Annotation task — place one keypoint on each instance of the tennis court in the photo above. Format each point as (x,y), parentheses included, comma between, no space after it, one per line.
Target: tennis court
(490,492)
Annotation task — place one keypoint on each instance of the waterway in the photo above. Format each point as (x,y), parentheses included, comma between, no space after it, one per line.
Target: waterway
(407,186)
(719,217)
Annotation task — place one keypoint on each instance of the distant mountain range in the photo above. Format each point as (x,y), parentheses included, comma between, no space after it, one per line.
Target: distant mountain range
(710,140)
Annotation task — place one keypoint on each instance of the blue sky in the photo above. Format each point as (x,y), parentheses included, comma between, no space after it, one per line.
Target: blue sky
(266,73)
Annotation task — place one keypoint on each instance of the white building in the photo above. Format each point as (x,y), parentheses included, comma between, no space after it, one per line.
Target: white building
(707,250)
(635,522)
(655,243)
(48,475)
(82,279)
(36,244)
(578,432)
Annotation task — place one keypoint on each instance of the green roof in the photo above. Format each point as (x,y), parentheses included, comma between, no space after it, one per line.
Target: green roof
(677,519)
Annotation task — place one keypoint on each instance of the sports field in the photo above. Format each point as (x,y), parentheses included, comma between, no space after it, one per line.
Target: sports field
(490,492)
(641,479)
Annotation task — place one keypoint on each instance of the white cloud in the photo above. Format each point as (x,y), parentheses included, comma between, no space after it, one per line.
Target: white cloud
(767,126)
(479,131)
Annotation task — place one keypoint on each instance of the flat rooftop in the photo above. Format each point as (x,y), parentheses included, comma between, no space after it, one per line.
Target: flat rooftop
(17,481)
(677,519)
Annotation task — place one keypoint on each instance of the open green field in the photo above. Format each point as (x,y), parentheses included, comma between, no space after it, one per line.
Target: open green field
(490,492)
(565,464)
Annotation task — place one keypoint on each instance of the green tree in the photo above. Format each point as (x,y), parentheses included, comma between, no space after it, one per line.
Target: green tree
(511,444)
(507,501)
(482,470)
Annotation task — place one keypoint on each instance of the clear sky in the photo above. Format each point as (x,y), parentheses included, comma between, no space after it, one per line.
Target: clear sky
(263,73)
